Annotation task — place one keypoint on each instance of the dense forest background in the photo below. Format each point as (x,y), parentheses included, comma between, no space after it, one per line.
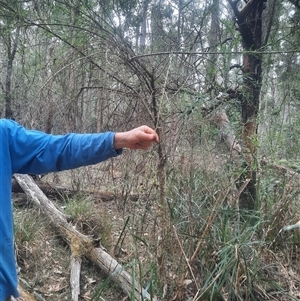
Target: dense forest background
(218,197)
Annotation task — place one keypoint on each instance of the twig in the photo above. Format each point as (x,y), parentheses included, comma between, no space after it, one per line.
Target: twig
(185,257)
(213,52)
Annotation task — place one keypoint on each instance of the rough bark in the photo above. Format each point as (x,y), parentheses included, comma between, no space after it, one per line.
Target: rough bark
(81,244)
(249,22)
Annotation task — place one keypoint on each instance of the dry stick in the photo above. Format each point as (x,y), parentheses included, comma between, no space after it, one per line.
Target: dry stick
(75,276)
(162,216)
(82,243)
(60,192)
(242,188)
(185,257)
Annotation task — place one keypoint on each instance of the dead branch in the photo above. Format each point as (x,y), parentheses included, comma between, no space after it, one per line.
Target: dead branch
(82,243)
(64,192)
(282,169)
(75,276)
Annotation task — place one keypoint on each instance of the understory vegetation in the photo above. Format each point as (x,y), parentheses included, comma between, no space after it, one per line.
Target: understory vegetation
(214,250)
(212,211)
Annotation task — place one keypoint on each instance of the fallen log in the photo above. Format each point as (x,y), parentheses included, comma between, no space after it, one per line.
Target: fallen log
(63,192)
(81,244)
(60,192)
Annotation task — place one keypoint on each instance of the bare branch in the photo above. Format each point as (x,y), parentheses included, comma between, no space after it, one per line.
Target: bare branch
(211,52)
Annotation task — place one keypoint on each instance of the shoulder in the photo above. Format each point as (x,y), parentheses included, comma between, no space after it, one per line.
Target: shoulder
(8,123)
(10,128)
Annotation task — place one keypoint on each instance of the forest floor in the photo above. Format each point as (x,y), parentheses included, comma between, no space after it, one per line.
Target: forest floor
(44,258)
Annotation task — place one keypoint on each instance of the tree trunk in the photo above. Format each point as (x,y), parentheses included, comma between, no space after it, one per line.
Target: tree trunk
(249,20)
(49,95)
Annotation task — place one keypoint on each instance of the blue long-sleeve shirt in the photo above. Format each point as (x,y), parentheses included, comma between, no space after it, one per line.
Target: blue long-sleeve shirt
(27,151)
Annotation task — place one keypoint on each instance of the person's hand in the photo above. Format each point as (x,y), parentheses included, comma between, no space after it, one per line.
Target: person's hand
(138,138)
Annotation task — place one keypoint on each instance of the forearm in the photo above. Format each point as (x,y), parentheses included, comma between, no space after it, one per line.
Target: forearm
(54,153)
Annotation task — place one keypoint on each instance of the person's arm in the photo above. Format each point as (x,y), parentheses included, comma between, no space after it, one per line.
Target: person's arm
(37,152)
